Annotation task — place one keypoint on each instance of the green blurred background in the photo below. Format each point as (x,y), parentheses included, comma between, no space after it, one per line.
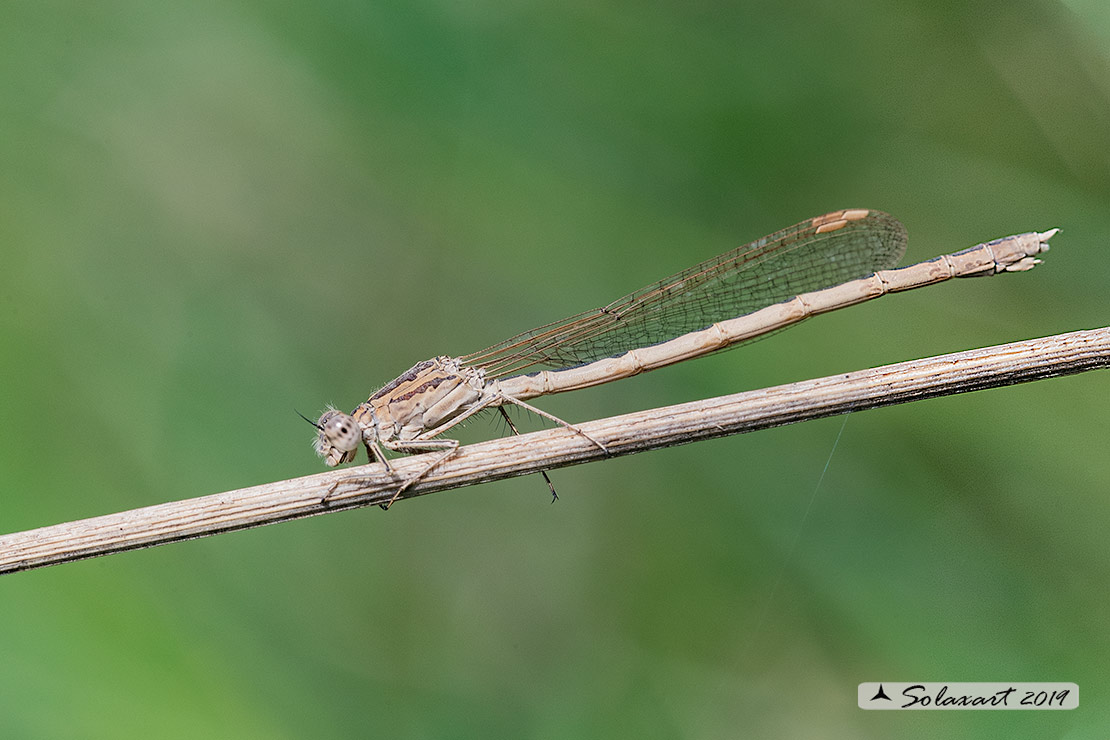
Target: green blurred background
(214,213)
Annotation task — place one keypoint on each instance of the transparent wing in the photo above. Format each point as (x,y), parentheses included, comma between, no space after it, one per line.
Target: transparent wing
(815,254)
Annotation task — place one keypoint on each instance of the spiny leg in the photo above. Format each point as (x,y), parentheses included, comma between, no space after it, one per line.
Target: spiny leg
(505,416)
(374,452)
(498,399)
(553,418)
(416,446)
(449,447)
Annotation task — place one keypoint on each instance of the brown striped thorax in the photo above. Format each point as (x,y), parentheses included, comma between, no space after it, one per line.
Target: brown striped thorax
(430,395)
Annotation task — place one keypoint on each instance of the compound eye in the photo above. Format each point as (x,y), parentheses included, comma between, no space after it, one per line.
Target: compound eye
(340,431)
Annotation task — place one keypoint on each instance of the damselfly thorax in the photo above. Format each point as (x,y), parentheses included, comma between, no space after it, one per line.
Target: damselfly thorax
(430,394)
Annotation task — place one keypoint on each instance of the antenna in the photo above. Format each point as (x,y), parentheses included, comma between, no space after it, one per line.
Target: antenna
(310,421)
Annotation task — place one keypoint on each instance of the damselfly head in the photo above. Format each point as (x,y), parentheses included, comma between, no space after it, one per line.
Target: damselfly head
(338,438)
